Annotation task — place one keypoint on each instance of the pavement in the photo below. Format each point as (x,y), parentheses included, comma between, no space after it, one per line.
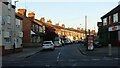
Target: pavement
(101,51)
(27,52)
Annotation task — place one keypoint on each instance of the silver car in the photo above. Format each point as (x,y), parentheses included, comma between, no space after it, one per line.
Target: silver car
(48,45)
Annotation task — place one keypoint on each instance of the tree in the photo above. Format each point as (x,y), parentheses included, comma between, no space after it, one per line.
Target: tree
(50,33)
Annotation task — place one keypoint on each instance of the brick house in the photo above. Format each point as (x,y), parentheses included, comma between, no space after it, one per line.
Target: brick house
(32,28)
(110,30)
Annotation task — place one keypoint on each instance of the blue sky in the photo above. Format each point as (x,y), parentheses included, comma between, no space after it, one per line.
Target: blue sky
(72,14)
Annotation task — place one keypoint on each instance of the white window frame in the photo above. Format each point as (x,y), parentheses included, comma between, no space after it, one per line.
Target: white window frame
(18,22)
(9,6)
(8,19)
(115,18)
(7,37)
(40,29)
(6,34)
(105,21)
(7,40)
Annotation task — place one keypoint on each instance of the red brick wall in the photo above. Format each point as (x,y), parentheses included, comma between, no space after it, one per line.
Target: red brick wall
(26,27)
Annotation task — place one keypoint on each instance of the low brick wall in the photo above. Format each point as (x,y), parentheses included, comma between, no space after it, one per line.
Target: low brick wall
(31,45)
(10,51)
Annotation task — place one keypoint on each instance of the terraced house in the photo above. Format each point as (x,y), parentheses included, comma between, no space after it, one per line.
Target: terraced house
(109,30)
(10,29)
(32,28)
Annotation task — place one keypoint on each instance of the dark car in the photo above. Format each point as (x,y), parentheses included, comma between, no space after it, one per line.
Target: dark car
(96,43)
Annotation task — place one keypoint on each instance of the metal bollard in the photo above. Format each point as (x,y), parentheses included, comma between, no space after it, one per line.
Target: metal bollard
(109,50)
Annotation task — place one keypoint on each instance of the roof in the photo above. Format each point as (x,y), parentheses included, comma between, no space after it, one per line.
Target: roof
(45,24)
(13,6)
(114,10)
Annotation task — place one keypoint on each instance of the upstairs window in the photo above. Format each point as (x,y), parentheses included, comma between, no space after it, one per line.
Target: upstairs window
(8,19)
(105,21)
(9,6)
(115,18)
(40,29)
(18,22)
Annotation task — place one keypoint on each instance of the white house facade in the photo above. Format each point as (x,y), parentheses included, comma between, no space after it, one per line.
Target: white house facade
(10,41)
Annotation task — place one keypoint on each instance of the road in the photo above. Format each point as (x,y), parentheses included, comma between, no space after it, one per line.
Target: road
(68,55)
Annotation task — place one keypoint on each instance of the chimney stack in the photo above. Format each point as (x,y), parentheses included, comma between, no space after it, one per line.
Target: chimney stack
(49,22)
(31,15)
(63,25)
(22,11)
(42,19)
(78,28)
(57,24)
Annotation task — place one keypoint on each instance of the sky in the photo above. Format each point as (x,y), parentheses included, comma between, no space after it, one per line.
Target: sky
(69,12)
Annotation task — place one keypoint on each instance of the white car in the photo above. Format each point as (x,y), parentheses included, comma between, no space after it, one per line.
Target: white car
(48,45)
(58,43)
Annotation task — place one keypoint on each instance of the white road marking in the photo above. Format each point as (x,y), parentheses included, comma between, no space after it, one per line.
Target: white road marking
(58,57)
(96,59)
(116,58)
(59,53)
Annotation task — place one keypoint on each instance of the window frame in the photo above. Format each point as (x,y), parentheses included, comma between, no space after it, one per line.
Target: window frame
(104,21)
(115,18)
(8,19)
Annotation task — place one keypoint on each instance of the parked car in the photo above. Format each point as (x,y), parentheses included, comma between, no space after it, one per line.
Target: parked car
(70,41)
(96,43)
(48,45)
(58,42)
(66,41)
(82,41)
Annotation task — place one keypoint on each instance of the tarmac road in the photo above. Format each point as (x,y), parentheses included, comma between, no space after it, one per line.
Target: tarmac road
(68,55)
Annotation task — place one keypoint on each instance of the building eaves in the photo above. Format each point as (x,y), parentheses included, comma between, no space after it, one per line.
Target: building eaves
(114,10)
(19,15)
(66,29)
(39,22)
(58,27)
